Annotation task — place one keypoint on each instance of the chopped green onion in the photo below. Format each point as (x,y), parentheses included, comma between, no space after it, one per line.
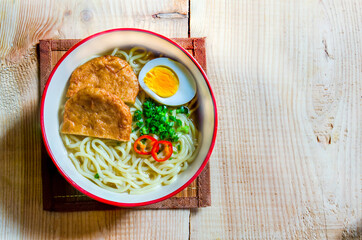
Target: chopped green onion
(96,176)
(161,128)
(144,130)
(157,119)
(178,122)
(175,138)
(184,129)
(182,109)
(135,129)
(137,115)
(139,124)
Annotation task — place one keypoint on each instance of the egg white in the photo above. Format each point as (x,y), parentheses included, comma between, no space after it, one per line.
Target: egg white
(187,85)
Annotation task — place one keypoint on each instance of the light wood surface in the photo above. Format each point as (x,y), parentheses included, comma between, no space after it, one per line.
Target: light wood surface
(287,80)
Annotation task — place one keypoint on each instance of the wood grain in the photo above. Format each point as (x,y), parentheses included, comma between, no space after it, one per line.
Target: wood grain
(286,76)
(21,211)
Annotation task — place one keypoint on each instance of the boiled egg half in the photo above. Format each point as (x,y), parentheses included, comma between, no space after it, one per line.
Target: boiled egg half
(167,81)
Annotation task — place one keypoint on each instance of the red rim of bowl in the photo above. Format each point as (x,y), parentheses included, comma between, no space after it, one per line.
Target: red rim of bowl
(74,184)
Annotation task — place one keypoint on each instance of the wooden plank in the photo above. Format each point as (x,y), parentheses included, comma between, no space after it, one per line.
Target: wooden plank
(286,76)
(163,16)
(23,23)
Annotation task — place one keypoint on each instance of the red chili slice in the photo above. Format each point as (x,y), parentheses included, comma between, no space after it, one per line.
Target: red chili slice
(167,150)
(140,148)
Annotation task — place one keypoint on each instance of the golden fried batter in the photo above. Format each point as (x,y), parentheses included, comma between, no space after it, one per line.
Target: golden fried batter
(97,113)
(108,72)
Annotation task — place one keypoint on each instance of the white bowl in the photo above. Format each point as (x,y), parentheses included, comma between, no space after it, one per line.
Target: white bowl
(54,94)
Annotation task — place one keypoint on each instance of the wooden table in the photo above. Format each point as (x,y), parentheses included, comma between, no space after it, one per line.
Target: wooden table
(287,80)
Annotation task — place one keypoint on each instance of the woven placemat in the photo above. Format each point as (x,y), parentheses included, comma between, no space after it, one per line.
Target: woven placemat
(59,195)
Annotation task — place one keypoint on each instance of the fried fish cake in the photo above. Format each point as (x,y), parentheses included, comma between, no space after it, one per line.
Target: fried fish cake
(97,113)
(107,72)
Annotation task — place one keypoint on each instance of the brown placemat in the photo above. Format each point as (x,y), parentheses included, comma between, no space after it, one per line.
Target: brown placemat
(59,195)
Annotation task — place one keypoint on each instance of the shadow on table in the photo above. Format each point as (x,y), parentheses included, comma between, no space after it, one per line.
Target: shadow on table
(21,200)
(21,184)
(21,196)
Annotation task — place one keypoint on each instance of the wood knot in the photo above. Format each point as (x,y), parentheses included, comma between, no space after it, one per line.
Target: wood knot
(324,139)
(67,13)
(170,15)
(86,15)
(328,55)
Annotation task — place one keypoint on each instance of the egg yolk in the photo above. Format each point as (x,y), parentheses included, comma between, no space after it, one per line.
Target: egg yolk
(162,80)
